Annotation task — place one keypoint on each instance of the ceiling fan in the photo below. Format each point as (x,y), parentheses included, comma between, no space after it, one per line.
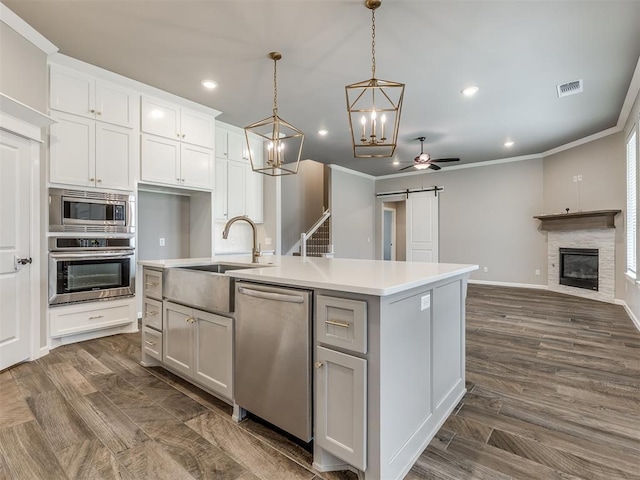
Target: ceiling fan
(424,160)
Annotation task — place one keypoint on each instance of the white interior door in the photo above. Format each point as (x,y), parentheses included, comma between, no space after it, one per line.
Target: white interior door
(422,227)
(15,315)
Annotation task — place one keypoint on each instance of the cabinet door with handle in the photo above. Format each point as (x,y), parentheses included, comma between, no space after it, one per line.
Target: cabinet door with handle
(114,104)
(72,150)
(196,165)
(177,337)
(71,92)
(160,160)
(196,128)
(114,154)
(341,405)
(160,118)
(213,352)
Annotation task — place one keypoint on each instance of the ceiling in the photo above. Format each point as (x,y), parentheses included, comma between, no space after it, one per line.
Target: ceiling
(515,51)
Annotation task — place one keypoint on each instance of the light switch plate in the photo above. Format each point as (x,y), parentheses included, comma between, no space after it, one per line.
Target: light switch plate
(425,302)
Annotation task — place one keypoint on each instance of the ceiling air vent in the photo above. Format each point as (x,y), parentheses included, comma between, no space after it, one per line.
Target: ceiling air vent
(569,88)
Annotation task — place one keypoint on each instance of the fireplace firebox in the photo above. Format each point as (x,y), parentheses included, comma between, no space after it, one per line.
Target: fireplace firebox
(579,267)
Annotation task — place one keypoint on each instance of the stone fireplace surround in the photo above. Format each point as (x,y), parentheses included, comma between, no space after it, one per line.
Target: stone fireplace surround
(582,230)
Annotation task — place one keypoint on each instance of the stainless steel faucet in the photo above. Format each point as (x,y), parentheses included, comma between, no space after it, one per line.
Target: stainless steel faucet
(255,252)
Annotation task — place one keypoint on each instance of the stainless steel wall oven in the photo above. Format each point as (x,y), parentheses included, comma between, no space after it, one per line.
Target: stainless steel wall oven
(86,211)
(88,269)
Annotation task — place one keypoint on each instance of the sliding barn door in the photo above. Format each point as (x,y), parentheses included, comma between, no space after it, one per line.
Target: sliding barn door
(422,227)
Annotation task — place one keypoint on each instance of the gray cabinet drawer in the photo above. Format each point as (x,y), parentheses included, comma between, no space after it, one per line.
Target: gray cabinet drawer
(342,322)
(152,343)
(152,314)
(152,283)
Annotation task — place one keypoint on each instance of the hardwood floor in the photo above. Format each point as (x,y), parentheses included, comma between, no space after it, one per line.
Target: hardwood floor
(553,393)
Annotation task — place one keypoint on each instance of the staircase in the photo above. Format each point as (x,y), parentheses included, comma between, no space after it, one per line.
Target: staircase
(317,241)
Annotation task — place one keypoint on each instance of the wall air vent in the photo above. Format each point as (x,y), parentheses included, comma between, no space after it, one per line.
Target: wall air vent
(569,88)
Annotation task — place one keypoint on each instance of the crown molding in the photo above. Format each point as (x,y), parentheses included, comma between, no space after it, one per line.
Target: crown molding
(21,27)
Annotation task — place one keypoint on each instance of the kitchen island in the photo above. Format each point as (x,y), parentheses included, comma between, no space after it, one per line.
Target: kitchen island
(387,353)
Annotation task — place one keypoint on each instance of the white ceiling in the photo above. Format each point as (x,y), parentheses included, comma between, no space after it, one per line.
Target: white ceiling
(515,51)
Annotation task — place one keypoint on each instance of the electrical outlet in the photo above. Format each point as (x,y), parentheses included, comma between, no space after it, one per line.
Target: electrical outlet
(425,302)
(575,178)
(485,269)
(579,178)
(537,271)
(161,241)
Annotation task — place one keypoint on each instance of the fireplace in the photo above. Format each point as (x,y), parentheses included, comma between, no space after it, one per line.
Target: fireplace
(579,267)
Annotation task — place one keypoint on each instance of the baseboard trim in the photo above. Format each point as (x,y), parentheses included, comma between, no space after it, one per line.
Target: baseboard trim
(509,284)
(632,316)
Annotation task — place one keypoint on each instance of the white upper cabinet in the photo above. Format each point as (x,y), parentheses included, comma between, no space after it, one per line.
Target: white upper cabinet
(231,145)
(87,153)
(81,94)
(172,121)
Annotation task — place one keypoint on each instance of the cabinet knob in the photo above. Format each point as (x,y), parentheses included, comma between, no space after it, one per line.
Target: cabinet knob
(92,111)
(182,180)
(99,113)
(319,364)
(178,135)
(99,180)
(92,179)
(184,135)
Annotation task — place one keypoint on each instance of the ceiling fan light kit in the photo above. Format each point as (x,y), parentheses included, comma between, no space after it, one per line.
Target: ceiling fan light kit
(374,108)
(424,161)
(282,142)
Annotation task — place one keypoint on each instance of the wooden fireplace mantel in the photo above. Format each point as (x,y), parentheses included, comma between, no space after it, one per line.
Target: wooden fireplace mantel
(578,220)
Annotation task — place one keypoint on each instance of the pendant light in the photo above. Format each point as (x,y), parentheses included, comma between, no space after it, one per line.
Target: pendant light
(281,141)
(374,107)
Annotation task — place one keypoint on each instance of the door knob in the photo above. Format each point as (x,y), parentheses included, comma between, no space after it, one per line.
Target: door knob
(21,261)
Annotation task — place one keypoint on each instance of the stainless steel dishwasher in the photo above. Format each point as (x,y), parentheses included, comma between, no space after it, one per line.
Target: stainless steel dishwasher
(273,356)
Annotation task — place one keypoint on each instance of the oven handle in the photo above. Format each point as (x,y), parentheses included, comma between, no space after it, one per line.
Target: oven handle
(103,254)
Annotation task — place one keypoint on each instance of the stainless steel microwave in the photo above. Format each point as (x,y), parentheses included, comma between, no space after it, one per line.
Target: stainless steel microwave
(90,212)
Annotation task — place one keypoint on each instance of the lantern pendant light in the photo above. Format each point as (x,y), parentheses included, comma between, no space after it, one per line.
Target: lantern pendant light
(281,141)
(374,107)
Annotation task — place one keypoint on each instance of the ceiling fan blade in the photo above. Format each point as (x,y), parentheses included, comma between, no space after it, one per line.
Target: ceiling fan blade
(405,168)
(433,166)
(445,160)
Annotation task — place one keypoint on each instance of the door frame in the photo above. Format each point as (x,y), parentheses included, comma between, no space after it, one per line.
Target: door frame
(394,233)
(23,121)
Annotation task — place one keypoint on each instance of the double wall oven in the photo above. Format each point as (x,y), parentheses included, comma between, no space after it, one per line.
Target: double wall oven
(91,247)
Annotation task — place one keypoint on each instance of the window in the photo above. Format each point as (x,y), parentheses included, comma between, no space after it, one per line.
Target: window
(631,203)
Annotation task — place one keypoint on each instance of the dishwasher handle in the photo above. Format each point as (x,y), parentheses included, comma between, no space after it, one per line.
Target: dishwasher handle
(277,297)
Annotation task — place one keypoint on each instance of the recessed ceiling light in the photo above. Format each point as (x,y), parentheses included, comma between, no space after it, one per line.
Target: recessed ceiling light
(323,132)
(210,84)
(469,91)
(508,144)
(396,162)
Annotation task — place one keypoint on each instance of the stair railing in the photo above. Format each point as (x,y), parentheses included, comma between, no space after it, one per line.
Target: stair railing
(306,235)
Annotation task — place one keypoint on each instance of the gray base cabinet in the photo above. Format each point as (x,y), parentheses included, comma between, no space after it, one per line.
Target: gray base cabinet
(199,345)
(341,401)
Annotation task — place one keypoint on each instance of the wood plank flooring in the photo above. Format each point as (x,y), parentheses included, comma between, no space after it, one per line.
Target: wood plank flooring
(553,393)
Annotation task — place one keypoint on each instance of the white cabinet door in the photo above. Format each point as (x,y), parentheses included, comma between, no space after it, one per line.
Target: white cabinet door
(72,150)
(341,406)
(160,118)
(71,91)
(196,128)
(160,160)
(236,189)
(195,166)
(220,190)
(114,154)
(114,104)
(236,148)
(177,338)
(254,187)
(213,352)
(221,143)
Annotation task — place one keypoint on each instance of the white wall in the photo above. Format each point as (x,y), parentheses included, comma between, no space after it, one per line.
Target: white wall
(486,218)
(352,200)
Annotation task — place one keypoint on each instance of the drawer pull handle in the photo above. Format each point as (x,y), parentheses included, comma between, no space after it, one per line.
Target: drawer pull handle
(151,314)
(152,284)
(153,344)
(96,317)
(190,320)
(337,323)
(319,364)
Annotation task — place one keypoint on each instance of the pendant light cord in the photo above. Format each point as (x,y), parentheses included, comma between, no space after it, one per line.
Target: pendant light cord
(373,43)
(275,87)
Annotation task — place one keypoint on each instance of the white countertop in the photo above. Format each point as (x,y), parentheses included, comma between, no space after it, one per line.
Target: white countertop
(369,277)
